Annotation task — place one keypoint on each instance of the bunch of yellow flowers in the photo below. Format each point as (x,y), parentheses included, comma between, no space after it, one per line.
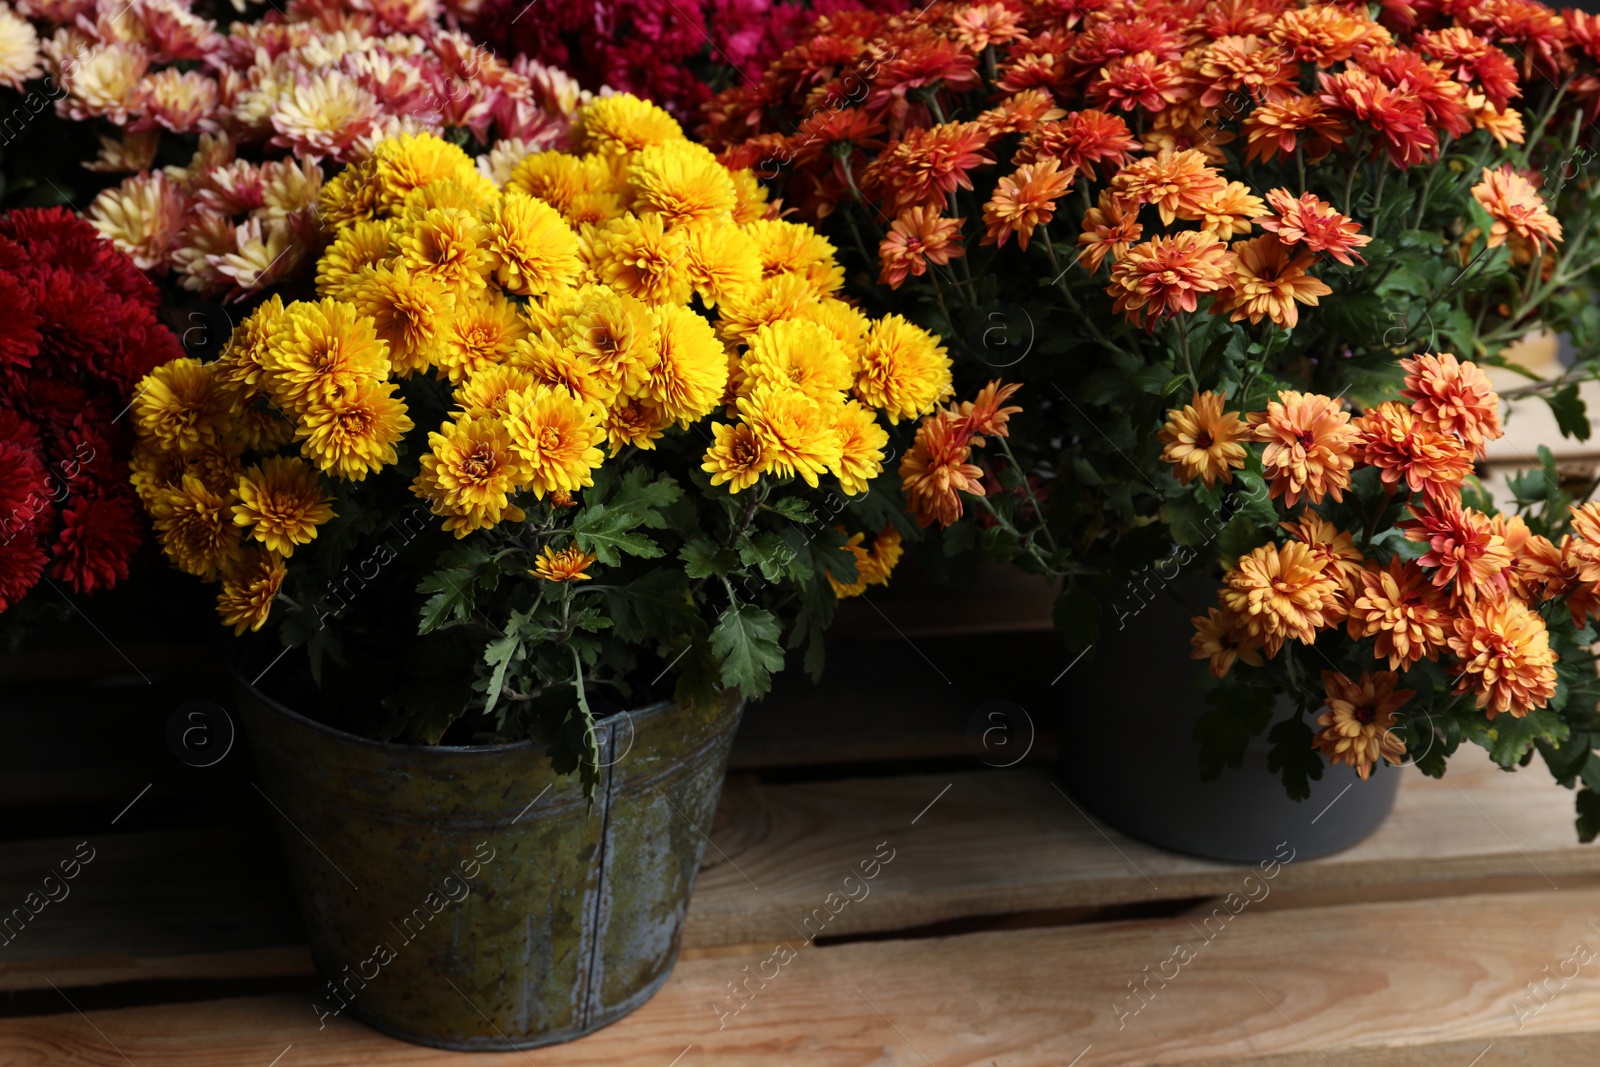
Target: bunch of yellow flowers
(595,303)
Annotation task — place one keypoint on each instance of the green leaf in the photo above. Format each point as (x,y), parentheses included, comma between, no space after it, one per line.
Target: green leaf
(608,533)
(746,641)
(1234,715)
(1588,821)
(1293,757)
(498,655)
(704,558)
(792,508)
(770,554)
(657,607)
(1571,416)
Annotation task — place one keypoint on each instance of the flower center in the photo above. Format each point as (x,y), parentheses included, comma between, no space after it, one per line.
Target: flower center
(1203,439)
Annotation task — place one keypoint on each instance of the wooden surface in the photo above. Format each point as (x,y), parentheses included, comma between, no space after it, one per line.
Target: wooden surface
(1422,982)
(975,844)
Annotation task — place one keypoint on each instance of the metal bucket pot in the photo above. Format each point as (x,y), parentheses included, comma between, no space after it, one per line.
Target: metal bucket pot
(469,897)
(1127,752)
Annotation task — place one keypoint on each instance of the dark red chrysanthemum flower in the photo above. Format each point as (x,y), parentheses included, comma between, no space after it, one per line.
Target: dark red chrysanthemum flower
(99,535)
(78,330)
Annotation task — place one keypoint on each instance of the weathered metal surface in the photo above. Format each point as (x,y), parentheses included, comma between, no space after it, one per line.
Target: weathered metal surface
(470,898)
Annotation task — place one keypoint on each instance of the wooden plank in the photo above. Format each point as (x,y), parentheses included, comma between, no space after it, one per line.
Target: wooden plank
(993,843)
(1428,984)
(1000,842)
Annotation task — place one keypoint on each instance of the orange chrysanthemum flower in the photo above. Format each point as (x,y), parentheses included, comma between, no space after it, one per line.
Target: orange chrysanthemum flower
(936,471)
(1402,610)
(979,25)
(926,165)
(1275,129)
(1278,593)
(1585,549)
(1269,282)
(1335,548)
(1219,638)
(1453,397)
(1168,275)
(1203,441)
(1264,70)
(1228,211)
(1466,555)
(1177,183)
(918,237)
(1310,447)
(1023,202)
(1357,727)
(1313,222)
(1142,81)
(1396,116)
(986,416)
(1504,657)
(1110,229)
(1326,34)
(1091,141)
(570,564)
(1404,448)
(1517,209)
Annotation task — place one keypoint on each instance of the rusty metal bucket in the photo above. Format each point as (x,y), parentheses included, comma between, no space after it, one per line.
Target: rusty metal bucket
(470,898)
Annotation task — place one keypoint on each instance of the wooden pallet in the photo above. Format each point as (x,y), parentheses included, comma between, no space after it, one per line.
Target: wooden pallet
(1009,928)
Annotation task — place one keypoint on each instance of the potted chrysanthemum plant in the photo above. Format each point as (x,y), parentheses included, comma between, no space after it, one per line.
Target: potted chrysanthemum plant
(544,481)
(1128,209)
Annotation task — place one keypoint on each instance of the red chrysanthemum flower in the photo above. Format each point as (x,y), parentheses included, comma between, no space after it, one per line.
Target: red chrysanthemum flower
(1166,276)
(1140,81)
(78,328)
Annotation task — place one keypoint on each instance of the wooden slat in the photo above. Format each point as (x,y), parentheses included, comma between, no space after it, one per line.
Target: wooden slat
(1425,984)
(994,843)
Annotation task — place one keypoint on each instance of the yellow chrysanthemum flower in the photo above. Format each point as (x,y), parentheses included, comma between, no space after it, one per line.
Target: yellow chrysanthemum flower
(532,248)
(796,354)
(354,433)
(248,590)
(683,183)
(750,197)
(593,208)
(447,244)
(483,332)
(319,350)
(904,370)
(635,422)
(553,177)
(642,258)
(797,433)
(617,335)
(846,323)
(350,196)
(407,162)
(861,445)
(196,528)
(571,564)
(486,390)
(238,371)
(281,503)
(469,474)
(474,195)
(179,407)
(409,311)
(546,361)
(723,261)
(363,243)
(795,248)
(622,123)
(688,380)
(555,434)
(735,457)
(739,315)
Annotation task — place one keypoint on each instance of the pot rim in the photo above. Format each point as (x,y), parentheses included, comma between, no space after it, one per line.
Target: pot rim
(231,664)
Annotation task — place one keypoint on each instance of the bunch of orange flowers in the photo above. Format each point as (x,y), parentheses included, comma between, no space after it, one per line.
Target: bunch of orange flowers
(1463,589)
